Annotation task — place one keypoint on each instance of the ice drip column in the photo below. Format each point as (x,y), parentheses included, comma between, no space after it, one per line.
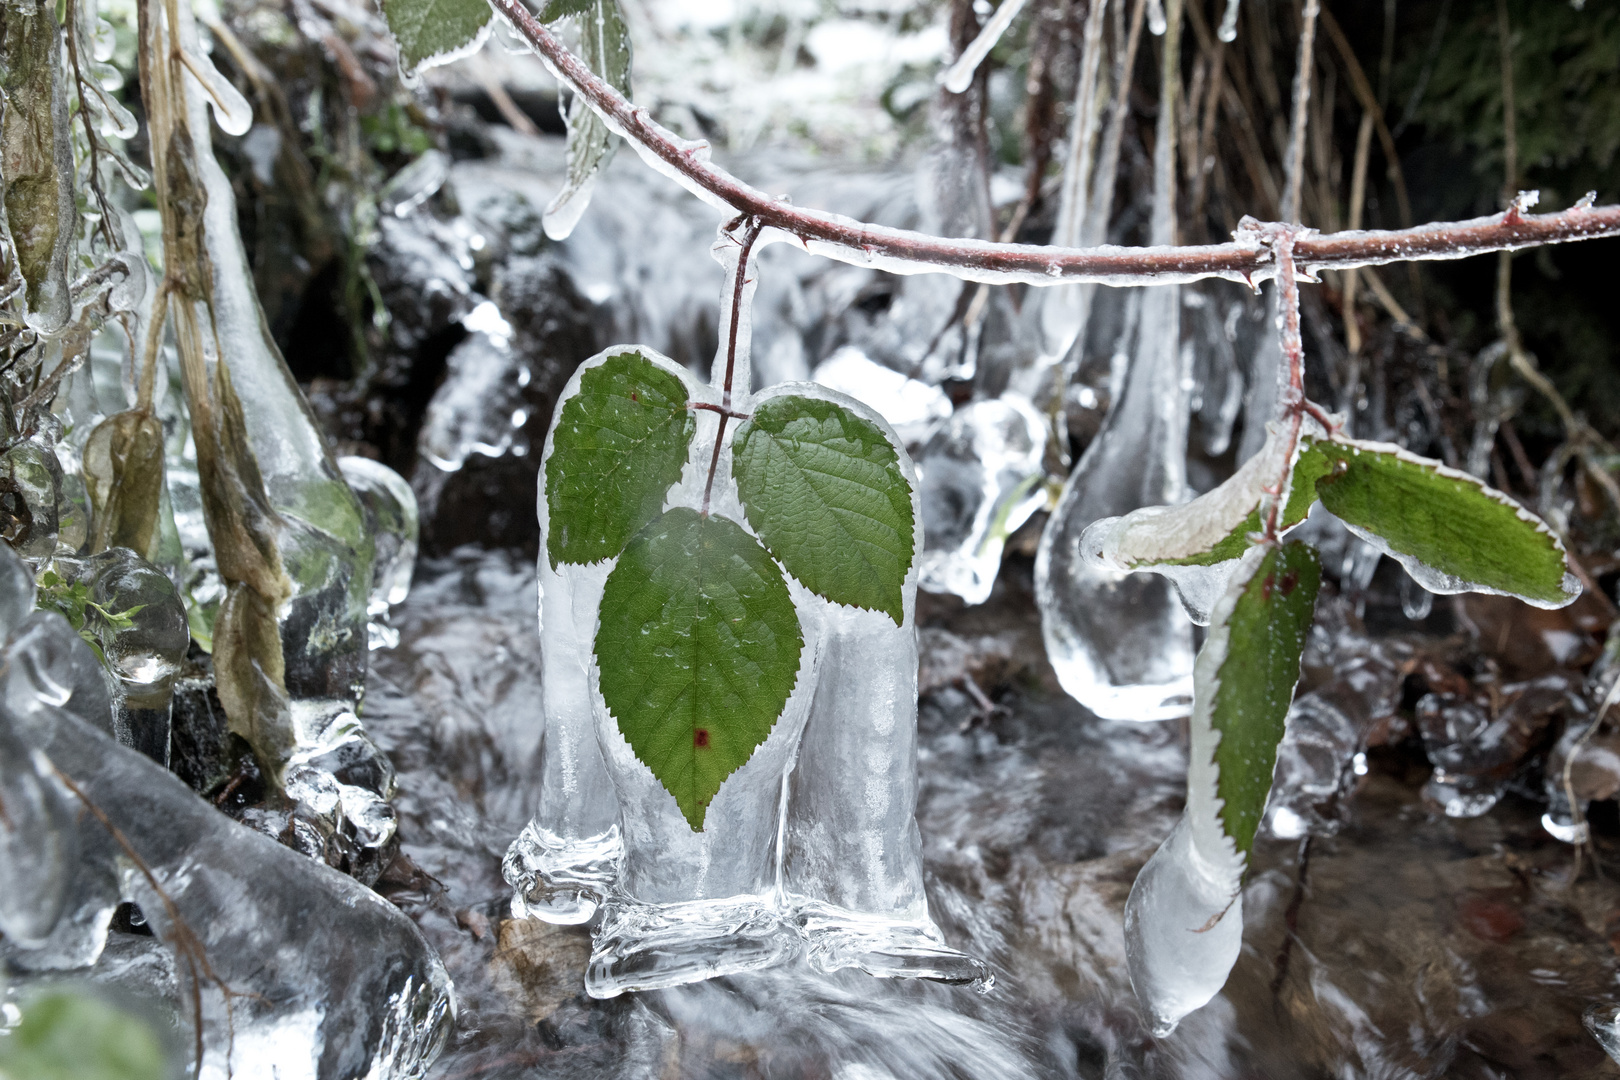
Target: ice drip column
(1120,642)
(852,868)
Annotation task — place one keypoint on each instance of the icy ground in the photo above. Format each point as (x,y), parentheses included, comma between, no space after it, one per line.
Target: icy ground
(1405,945)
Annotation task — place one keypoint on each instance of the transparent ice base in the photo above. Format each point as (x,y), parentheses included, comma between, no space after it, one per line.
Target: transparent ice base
(656,946)
(558,880)
(885,948)
(1143,702)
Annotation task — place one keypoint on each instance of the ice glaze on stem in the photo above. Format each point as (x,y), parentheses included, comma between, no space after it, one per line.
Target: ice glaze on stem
(904,251)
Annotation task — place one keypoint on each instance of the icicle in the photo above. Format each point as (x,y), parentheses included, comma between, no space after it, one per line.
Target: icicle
(1120,643)
(1228,27)
(1157,23)
(959,76)
(1060,313)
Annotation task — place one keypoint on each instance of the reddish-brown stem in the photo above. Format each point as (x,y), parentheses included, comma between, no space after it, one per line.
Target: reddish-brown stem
(721,409)
(739,279)
(860,242)
(1292,405)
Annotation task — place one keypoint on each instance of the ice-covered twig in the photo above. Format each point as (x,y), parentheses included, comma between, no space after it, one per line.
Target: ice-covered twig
(959,76)
(1301,113)
(1291,402)
(905,252)
(750,233)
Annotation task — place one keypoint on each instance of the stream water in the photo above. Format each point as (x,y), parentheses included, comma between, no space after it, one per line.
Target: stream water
(1394,943)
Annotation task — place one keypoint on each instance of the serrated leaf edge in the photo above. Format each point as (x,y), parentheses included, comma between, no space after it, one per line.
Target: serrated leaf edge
(1223,862)
(1571,585)
(908,472)
(900,463)
(570,391)
(444,56)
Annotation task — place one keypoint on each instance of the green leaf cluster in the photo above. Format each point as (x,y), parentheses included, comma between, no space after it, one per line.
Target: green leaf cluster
(698,640)
(1441,518)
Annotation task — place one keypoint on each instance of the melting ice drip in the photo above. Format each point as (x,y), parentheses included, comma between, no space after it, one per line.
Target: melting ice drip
(811,847)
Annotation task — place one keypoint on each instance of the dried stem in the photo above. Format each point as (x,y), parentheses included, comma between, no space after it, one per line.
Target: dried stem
(860,243)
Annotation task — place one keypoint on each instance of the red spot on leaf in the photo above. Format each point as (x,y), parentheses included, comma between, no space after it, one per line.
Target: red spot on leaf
(700,738)
(1265,587)
(1289,581)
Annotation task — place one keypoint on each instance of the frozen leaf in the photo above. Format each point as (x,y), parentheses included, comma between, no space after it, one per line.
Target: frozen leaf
(73,1036)
(698,644)
(605,47)
(433,30)
(1451,532)
(823,489)
(36,160)
(1213,528)
(123,471)
(619,445)
(1270,614)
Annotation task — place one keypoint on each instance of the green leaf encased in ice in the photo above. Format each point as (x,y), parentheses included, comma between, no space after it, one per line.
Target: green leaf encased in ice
(604,45)
(1256,683)
(1310,466)
(1443,518)
(698,645)
(823,489)
(429,28)
(619,446)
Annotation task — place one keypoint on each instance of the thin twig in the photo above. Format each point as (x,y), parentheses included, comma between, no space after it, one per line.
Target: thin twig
(864,244)
(1291,403)
(750,234)
(1295,169)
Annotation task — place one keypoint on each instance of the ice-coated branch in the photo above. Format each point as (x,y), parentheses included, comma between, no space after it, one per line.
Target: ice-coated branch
(905,252)
(1291,403)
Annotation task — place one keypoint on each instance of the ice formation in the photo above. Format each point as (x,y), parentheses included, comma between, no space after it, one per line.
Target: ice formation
(1119,641)
(810,847)
(1184,917)
(284,967)
(981,478)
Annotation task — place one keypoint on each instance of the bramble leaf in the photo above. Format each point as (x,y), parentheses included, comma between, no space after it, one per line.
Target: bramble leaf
(1254,683)
(823,489)
(698,645)
(1215,527)
(618,447)
(604,45)
(1452,532)
(428,30)
(1310,466)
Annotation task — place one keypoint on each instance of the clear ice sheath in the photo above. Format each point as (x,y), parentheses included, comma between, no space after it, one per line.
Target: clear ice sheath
(807,843)
(285,967)
(1120,642)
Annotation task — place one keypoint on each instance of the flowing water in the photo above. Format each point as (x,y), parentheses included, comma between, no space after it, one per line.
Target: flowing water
(1394,942)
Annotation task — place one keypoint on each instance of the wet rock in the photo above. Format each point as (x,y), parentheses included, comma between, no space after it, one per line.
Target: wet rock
(485,426)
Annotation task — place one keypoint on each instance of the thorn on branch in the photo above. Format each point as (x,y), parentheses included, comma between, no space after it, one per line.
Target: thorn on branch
(1523,201)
